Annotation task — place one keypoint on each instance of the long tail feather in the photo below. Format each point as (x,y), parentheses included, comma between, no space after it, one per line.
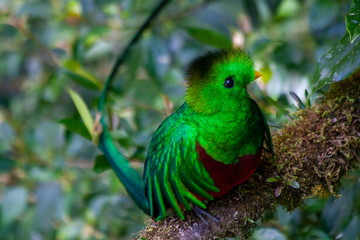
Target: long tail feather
(132,181)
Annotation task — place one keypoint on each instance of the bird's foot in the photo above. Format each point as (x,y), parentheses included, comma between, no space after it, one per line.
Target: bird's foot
(199,212)
(239,195)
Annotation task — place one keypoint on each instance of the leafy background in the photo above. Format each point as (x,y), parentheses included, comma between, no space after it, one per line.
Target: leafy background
(57,53)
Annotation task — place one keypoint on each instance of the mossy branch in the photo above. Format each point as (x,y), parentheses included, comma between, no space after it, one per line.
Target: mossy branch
(312,154)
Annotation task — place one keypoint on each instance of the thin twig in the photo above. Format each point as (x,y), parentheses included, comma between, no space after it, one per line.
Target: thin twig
(19,24)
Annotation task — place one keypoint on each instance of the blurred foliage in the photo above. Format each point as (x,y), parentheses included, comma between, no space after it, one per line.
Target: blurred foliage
(319,218)
(353,20)
(48,189)
(339,63)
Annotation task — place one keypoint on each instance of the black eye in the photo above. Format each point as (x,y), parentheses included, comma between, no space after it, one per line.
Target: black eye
(229,82)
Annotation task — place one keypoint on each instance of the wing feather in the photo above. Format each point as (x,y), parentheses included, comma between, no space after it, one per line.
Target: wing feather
(167,191)
(191,198)
(173,173)
(159,199)
(175,184)
(194,187)
(149,194)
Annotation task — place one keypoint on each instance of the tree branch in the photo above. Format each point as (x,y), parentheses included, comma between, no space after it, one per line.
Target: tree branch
(312,154)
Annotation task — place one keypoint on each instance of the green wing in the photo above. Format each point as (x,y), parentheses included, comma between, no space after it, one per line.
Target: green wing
(173,174)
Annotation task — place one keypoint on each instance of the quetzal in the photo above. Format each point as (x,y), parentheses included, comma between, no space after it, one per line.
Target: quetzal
(212,143)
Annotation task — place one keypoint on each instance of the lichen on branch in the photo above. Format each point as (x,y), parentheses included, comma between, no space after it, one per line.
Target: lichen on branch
(312,154)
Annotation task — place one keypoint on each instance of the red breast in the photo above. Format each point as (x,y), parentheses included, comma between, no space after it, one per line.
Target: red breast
(226,176)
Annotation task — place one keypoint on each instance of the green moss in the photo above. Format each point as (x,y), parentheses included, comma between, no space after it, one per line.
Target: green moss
(324,143)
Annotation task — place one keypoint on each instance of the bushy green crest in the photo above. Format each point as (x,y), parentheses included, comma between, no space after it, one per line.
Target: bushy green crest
(206,76)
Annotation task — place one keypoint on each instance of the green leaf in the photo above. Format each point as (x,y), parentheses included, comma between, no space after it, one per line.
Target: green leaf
(337,64)
(353,20)
(278,191)
(78,73)
(288,8)
(54,87)
(249,220)
(76,127)
(83,110)
(98,50)
(210,37)
(80,80)
(298,100)
(7,31)
(101,164)
(294,184)
(271,179)
(307,97)
(6,164)
(13,203)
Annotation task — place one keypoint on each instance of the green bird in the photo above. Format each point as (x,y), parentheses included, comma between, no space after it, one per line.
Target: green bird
(212,143)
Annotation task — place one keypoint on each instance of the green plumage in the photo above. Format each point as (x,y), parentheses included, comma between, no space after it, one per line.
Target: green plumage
(218,116)
(172,164)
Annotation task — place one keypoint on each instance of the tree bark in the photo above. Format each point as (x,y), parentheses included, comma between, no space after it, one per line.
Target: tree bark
(312,153)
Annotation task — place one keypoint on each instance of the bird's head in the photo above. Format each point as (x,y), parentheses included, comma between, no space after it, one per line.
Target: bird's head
(217,81)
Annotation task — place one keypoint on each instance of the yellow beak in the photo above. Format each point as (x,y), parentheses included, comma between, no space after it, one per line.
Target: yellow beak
(257,75)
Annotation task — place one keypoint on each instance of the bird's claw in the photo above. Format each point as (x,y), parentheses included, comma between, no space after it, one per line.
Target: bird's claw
(198,211)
